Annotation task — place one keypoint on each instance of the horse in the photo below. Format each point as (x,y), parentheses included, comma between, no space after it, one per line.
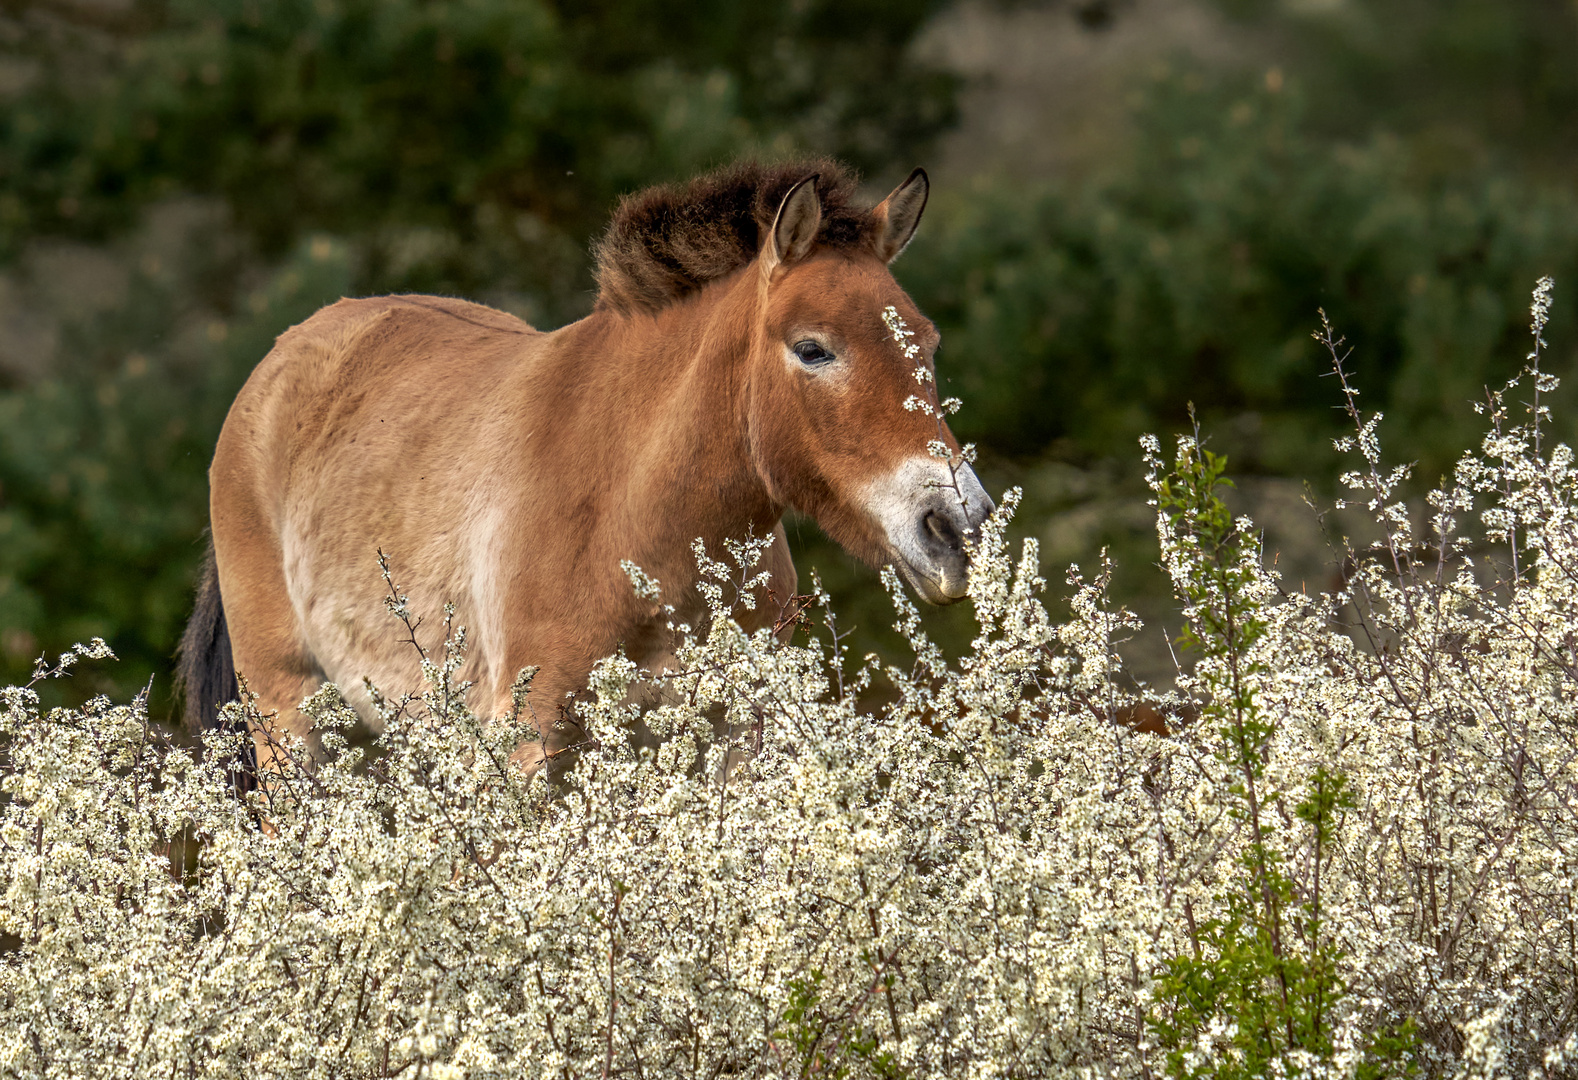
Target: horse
(748,351)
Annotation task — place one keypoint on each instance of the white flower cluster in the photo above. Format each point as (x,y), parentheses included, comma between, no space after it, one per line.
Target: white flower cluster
(901,333)
(981,875)
(937,448)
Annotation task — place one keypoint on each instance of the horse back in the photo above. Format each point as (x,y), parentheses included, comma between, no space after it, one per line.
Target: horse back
(332,380)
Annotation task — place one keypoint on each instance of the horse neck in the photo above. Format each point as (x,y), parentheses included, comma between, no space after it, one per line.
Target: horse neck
(686,370)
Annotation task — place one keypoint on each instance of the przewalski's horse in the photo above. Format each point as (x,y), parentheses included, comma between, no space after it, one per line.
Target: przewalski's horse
(740,360)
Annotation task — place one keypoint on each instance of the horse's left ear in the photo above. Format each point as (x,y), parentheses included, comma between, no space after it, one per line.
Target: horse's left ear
(899,214)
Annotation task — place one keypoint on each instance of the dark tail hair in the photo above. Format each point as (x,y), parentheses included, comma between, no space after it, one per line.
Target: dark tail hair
(206,672)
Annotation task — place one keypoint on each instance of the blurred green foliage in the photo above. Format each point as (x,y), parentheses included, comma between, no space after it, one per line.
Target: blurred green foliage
(1467,82)
(1400,166)
(469,145)
(1076,319)
(103,466)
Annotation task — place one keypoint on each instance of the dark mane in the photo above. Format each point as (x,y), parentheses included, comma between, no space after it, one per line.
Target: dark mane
(665,242)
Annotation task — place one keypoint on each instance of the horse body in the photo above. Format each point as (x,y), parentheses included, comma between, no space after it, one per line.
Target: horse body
(510,471)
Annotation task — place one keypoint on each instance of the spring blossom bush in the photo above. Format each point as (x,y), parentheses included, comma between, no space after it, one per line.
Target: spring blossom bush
(990,873)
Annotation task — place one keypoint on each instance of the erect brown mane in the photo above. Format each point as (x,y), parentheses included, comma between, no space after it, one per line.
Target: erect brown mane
(668,241)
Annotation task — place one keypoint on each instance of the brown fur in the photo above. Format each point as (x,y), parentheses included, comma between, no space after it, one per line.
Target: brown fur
(509,471)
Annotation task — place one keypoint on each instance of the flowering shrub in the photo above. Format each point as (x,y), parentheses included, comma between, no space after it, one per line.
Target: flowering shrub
(1353,853)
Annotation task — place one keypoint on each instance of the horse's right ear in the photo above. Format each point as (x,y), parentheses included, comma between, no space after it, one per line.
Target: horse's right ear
(795,227)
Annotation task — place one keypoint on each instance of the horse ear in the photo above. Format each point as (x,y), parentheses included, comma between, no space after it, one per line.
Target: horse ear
(794,229)
(899,214)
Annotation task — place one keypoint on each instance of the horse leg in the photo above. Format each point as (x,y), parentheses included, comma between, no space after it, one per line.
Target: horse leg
(266,639)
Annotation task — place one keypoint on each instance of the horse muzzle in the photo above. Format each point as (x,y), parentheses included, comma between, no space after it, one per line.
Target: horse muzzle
(931,514)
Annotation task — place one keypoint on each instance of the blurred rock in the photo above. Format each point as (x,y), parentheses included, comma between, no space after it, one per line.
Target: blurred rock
(1048,83)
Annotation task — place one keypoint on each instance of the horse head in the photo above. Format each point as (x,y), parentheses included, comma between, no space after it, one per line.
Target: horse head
(845,420)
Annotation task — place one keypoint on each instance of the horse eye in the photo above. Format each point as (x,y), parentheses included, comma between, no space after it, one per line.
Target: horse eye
(810,352)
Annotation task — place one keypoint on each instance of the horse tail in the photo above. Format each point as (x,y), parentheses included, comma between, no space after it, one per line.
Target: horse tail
(206,673)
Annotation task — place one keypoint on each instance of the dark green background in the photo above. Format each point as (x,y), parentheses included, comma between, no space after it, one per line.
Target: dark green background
(1409,168)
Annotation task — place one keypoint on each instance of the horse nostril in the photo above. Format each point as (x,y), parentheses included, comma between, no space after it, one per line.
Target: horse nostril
(940,529)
